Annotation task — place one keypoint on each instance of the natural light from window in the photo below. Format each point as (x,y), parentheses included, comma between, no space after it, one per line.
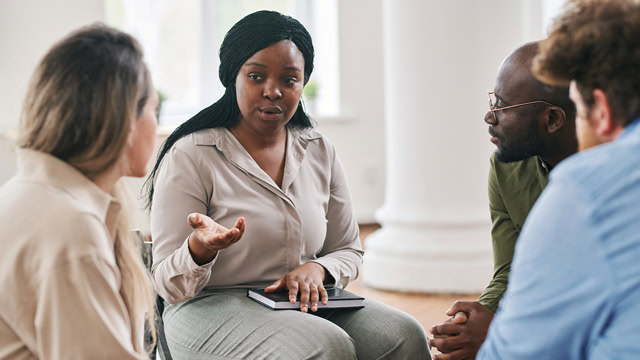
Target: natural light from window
(181,40)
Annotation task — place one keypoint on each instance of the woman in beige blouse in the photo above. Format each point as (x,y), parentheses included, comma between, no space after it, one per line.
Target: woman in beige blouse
(247,194)
(71,276)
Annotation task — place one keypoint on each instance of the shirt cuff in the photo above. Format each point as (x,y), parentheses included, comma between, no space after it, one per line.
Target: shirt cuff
(489,303)
(184,256)
(334,270)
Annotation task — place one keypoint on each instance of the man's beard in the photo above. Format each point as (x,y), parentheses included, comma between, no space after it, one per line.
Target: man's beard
(520,149)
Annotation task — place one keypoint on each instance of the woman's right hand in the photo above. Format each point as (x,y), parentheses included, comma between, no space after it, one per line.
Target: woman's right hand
(208,237)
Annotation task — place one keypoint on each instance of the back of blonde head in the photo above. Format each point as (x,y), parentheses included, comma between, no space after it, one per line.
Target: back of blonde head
(80,106)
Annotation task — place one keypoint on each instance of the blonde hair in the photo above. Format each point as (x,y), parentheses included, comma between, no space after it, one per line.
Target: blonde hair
(80,106)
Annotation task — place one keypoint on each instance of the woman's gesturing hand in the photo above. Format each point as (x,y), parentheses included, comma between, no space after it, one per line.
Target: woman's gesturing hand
(307,279)
(208,237)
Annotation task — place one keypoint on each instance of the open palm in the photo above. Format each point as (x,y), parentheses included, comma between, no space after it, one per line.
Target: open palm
(212,235)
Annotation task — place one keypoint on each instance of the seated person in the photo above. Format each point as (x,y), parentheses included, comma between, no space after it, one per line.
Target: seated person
(533,128)
(267,204)
(73,281)
(574,289)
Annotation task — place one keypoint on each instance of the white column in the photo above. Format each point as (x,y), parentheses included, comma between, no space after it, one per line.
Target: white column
(440,58)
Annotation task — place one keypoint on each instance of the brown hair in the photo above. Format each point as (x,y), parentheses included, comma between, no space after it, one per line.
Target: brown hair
(597,44)
(81,103)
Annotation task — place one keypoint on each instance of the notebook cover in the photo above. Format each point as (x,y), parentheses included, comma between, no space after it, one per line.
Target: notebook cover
(336,295)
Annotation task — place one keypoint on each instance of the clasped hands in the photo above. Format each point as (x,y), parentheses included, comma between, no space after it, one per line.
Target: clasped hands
(208,237)
(461,336)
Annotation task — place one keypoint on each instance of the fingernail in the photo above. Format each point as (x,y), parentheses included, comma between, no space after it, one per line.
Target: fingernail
(314,308)
(304,309)
(193,218)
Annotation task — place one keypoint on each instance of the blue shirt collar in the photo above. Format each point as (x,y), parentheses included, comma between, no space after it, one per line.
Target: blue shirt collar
(630,129)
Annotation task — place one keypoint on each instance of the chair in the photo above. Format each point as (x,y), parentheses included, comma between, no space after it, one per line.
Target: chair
(161,348)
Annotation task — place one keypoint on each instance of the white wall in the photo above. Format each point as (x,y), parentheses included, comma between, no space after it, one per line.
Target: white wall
(28,28)
(359,133)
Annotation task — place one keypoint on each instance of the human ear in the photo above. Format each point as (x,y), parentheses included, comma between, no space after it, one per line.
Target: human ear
(601,115)
(555,118)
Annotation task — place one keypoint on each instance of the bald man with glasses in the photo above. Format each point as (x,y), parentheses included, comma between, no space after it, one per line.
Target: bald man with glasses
(533,128)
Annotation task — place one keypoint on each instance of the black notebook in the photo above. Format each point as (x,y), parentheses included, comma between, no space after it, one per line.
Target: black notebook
(338,298)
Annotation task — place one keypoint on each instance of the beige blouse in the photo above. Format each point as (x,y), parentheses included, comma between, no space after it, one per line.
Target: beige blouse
(58,275)
(309,219)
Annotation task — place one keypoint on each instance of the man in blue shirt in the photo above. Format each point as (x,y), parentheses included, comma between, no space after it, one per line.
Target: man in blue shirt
(574,288)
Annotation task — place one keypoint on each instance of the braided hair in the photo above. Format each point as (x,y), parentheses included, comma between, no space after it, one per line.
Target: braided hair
(251,34)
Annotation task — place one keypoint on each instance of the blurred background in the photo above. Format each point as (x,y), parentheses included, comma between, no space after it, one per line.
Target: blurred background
(399,87)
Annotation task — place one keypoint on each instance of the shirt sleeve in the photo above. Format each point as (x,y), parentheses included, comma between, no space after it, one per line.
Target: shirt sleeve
(504,236)
(342,252)
(559,278)
(179,191)
(80,313)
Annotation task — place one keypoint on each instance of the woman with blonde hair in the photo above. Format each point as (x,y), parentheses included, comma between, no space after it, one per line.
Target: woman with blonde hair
(73,282)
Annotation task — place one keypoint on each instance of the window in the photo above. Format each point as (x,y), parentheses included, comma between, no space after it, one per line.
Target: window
(181,42)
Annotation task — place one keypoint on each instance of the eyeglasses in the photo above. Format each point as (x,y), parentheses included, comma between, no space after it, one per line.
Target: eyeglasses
(494,100)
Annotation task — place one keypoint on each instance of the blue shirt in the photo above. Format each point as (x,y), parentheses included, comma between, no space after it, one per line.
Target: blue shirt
(574,288)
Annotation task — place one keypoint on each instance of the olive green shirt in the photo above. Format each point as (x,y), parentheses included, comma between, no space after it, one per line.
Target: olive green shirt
(513,189)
